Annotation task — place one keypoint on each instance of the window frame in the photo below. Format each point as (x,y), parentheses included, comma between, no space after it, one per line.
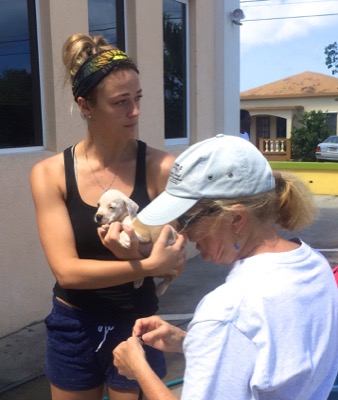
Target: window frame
(33,14)
(121,30)
(185,140)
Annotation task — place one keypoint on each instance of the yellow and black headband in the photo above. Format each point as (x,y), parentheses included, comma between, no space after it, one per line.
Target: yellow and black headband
(97,67)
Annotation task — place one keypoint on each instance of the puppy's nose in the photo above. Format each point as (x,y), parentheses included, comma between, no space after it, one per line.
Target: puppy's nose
(98,218)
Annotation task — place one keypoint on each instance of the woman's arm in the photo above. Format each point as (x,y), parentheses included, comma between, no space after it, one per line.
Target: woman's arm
(130,361)
(58,240)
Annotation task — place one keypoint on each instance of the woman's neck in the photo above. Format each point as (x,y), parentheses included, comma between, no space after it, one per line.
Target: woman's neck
(267,240)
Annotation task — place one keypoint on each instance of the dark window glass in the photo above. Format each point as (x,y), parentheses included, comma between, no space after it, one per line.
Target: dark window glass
(281,127)
(175,69)
(106,18)
(332,122)
(263,127)
(20,103)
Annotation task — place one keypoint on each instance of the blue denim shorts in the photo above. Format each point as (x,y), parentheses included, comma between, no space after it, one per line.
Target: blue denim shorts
(79,350)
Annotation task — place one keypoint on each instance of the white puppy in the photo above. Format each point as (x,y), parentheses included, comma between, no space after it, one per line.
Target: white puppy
(116,206)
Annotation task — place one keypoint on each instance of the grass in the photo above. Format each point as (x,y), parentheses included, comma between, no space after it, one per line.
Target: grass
(320,166)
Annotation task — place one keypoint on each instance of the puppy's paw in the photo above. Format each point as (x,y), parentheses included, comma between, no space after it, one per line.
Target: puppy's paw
(138,284)
(105,227)
(124,240)
(163,286)
(173,236)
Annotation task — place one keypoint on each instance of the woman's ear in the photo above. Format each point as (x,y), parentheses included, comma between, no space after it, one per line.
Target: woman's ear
(84,107)
(239,218)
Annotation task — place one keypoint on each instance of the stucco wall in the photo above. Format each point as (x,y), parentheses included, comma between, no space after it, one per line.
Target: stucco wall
(320,178)
(26,281)
(288,108)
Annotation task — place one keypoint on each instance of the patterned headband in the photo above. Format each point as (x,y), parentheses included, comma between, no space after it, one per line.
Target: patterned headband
(97,67)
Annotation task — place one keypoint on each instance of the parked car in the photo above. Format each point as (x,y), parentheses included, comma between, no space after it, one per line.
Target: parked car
(328,150)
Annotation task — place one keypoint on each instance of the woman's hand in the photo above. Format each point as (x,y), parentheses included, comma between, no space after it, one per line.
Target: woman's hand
(129,359)
(156,332)
(110,238)
(167,259)
(164,260)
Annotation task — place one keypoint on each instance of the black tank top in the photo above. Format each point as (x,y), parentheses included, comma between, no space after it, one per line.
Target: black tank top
(122,299)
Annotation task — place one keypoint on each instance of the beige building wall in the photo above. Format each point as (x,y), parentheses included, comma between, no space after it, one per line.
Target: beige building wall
(26,281)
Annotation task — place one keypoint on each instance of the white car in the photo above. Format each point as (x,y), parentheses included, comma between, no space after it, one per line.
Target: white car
(328,150)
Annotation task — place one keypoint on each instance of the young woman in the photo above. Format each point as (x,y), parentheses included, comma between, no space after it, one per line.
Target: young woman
(95,303)
(270,331)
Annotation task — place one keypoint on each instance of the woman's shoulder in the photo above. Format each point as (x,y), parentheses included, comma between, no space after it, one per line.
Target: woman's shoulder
(47,175)
(159,164)
(49,165)
(159,161)
(160,157)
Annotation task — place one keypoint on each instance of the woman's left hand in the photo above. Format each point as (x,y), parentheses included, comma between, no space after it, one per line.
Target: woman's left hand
(110,238)
(129,357)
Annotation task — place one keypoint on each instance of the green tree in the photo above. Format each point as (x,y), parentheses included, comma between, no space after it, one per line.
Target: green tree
(304,140)
(331,52)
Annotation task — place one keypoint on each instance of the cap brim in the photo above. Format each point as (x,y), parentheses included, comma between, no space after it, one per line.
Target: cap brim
(164,209)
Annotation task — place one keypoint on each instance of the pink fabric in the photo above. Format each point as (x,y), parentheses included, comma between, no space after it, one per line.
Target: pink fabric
(335,271)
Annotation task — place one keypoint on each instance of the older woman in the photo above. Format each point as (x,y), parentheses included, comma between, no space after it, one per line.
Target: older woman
(270,331)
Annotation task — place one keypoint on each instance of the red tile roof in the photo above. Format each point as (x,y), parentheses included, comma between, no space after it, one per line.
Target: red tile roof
(306,84)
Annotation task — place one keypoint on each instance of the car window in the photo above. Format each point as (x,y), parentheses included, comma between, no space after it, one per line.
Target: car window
(330,139)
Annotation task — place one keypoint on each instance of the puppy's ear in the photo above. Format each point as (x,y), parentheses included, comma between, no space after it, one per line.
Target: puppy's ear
(132,207)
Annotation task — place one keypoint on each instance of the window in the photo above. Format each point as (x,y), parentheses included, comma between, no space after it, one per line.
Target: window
(281,127)
(20,101)
(263,127)
(106,18)
(332,122)
(175,53)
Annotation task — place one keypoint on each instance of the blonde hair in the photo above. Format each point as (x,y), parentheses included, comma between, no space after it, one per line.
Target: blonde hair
(290,205)
(78,48)
(296,208)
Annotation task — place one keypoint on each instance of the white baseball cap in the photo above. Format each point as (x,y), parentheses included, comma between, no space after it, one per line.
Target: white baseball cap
(222,167)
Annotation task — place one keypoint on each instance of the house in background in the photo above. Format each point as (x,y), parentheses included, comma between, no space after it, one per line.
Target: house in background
(276,107)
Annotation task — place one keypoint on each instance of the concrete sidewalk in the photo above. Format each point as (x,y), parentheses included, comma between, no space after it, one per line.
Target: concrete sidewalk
(22,353)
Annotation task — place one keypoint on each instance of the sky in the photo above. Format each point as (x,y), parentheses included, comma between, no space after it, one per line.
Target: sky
(276,49)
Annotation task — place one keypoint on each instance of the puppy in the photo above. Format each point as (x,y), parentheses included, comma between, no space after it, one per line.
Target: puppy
(116,206)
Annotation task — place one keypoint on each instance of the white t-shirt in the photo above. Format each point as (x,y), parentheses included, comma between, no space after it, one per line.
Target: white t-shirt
(269,332)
